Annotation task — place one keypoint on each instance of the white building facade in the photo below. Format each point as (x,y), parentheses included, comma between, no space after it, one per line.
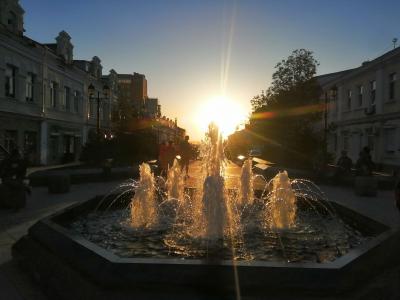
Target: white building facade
(363,109)
(45,109)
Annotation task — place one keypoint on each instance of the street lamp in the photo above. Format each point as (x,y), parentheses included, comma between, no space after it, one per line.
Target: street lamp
(106,93)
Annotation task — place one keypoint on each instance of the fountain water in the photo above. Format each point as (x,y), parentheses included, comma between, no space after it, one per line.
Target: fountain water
(172,220)
(214,207)
(282,205)
(143,206)
(246,188)
(175,182)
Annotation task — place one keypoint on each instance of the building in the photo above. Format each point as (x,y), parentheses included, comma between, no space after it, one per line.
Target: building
(168,130)
(363,109)
(139,87)
(45,109)
(152,108)
(133,90)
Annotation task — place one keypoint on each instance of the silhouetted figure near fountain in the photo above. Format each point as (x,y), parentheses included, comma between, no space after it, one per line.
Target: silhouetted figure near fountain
(170,153)
(364,164)
(12,172)
(185,152)
(162,158)
(344,165)
(13,167)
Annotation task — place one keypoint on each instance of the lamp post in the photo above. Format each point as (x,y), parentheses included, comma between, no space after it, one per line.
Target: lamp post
(106,93)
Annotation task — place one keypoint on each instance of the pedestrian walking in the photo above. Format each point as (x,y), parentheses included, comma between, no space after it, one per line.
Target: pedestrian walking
(162,158)
(170,153)
(185,151)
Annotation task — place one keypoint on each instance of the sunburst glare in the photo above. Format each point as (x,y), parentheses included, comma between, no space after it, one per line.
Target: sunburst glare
(225,112)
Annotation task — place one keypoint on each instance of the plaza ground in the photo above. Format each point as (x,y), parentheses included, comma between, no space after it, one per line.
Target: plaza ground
(14,284)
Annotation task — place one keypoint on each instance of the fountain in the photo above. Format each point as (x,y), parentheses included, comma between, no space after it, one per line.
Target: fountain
(246,183)
(143,206)
(155,235)
(282,208)
(175,182)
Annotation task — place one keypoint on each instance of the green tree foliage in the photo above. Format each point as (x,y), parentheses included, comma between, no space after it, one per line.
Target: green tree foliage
(284,117)
(259,102)
(293,72)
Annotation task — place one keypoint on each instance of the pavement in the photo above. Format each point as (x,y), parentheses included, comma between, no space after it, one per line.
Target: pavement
(14,284)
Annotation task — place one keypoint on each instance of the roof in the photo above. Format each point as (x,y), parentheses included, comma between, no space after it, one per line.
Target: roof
(327,78)
(52,47)
(333,78)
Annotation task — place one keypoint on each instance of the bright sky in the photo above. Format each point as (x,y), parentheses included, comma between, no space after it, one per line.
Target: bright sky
(194,51)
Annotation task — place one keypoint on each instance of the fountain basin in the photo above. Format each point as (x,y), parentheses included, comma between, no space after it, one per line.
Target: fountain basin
(70,267)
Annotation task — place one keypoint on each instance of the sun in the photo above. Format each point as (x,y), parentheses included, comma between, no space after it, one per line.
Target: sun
(226,113)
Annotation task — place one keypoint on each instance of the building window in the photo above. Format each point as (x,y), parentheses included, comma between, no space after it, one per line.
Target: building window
(390,140)
(10,81)
(29,87)
(67,98)
(349,100)
(76,101)
(360,95)
(11,140)
(69,145)
(373,91)
(53,94)
(392,85)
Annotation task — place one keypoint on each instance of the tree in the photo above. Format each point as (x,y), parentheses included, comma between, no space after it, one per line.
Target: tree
(259,102)
(291,73)
(287,113)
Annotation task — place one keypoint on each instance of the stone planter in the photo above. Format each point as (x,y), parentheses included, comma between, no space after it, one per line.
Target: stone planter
(58,184)
(365,186)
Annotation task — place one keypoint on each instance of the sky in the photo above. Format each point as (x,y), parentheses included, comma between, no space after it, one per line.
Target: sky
(193,51)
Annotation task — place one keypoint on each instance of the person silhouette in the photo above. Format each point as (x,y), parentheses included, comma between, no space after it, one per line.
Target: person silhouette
(185,151)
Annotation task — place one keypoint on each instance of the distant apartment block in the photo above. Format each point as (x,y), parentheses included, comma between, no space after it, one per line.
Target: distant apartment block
(364,109)
(132,89)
